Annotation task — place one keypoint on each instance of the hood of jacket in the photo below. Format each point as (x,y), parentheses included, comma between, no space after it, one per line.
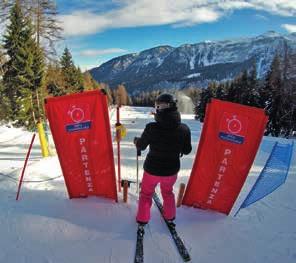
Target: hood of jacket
(168,119)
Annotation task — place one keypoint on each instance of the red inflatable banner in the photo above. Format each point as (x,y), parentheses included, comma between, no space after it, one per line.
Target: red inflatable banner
(229,141)
(81,131)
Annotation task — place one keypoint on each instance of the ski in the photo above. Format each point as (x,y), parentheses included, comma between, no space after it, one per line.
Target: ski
(139,256)
(172,228)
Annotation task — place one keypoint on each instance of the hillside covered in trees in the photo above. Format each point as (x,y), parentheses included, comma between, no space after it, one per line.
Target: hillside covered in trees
(276,94)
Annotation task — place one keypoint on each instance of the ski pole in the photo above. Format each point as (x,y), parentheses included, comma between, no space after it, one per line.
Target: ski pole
(118,138)
(138,154)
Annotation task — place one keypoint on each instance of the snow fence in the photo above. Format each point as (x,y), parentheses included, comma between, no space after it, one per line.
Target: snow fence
(273,175)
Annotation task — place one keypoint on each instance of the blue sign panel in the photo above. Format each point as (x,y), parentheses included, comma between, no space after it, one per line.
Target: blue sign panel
(78,126)
(231,138)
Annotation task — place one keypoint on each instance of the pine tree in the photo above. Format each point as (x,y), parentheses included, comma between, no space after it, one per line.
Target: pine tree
(18,69)
(217,90)
(73,79)
(288,94)
(2,61)
(245,88)
(253,86)
(54,80)
(235,91)
(205,97)
(231,92)
(121,96)
(97,85)
(109,92)
(24,70)
(79,79)
(273,90)
(88,81)
(243,91)
(28,113)
(213,88)
(4,104)
(37,88)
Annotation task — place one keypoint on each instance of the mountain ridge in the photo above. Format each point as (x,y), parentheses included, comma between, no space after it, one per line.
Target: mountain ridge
(193,65)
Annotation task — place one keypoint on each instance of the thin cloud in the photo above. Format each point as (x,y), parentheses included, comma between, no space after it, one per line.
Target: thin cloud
(98,52)
(261,17)
(290,28)
(83,23)
(130,13)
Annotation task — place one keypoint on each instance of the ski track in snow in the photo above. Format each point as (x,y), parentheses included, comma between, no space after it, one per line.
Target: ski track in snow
(44,226)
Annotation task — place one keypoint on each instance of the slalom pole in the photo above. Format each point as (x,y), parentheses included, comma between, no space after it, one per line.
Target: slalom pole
(118,138)
(125,190)
(24,168)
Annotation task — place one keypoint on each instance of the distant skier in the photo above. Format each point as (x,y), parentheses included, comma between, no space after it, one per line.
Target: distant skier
(168,140)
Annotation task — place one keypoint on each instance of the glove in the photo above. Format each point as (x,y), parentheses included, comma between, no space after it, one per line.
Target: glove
(135,140)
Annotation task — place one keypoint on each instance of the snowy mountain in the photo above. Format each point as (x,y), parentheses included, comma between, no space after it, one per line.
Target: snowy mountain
(193,64)
(45,226)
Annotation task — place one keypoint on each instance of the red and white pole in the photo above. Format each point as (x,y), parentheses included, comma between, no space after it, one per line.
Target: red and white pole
(25,165)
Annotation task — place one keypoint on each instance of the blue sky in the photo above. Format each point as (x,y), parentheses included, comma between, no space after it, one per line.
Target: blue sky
(98,30)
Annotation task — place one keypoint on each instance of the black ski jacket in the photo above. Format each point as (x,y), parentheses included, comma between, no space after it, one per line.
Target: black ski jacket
(168,140)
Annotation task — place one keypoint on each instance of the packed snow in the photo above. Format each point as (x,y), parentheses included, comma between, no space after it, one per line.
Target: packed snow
(46,226)
(194,75)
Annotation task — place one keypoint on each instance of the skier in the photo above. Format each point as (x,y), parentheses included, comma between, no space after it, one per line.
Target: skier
(168,140)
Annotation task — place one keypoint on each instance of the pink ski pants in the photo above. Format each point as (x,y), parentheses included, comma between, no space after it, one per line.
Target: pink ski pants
(149,182)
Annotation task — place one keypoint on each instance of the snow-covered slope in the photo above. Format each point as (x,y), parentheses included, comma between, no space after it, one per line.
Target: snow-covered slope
(46,226)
